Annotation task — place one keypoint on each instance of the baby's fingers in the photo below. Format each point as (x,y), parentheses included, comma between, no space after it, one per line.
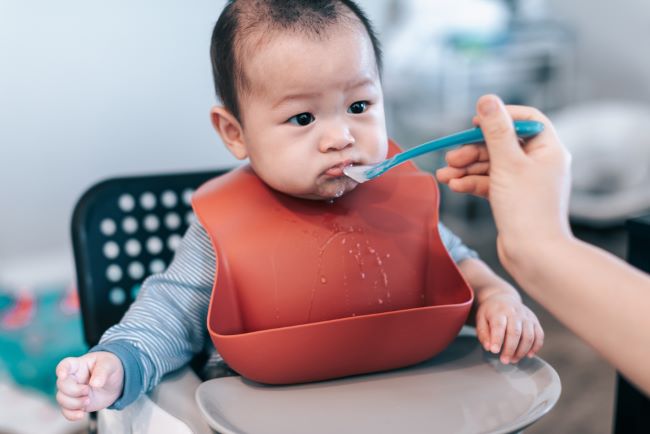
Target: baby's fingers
(70,387)
(100,374)
(513,334)
(483,331)
(497,331)
(526,341)
(69,403)
(73,415)
(67,366)
(539,340)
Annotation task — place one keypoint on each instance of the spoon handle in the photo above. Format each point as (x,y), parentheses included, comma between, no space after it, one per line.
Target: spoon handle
(523,129)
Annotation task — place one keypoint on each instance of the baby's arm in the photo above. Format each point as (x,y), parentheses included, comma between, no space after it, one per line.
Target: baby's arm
(160,332)
(503,323)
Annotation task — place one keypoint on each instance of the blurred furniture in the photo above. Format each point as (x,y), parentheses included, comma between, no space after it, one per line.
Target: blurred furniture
(610,166)
(531,63)
(463,389)
(632,413)
(124,229)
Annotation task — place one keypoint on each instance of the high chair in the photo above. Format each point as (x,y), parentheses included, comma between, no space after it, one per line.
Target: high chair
(126,228)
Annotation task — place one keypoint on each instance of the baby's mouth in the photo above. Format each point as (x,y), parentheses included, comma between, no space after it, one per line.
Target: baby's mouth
(337,170)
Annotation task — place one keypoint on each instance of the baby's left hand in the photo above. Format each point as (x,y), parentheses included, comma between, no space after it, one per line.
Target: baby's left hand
(505,325)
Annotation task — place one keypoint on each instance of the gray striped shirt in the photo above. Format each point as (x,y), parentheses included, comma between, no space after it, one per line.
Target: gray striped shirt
(166,325)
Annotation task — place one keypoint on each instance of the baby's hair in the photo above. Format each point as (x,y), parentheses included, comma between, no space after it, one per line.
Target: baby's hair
(241,19)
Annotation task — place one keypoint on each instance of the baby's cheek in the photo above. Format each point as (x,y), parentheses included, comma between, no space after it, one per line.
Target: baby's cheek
(382,151)
(381,140)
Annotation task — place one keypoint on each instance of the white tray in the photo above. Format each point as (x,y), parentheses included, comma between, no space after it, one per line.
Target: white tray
(462,390)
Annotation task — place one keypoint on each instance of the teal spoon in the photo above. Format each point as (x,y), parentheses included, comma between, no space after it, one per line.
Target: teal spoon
(361,174)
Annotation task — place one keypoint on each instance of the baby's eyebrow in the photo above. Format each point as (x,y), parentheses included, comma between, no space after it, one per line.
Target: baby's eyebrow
(302,96)
(296,97)
(365,81)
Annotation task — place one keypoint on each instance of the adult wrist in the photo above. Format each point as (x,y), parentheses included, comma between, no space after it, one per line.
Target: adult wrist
(527,260)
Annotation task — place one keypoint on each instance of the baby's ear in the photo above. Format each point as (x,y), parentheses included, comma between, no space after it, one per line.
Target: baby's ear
(230,131)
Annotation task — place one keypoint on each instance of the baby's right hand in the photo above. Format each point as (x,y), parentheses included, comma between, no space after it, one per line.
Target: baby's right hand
(88,383)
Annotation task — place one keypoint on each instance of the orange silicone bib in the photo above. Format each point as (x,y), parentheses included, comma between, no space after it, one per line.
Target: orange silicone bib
(312,290)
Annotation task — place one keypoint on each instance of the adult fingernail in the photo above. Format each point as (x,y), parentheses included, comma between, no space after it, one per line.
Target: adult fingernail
(488,106)
(495,348)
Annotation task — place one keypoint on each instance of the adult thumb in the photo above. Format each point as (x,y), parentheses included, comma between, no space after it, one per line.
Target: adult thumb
(498,130)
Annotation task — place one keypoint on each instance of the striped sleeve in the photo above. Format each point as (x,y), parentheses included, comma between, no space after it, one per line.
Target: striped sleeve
(454,245)
(166,325)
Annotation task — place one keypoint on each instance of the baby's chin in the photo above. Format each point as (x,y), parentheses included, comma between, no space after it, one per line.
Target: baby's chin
(337,187)
(329,189)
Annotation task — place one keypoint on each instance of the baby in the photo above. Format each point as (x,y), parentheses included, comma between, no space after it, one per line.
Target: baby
(301,92)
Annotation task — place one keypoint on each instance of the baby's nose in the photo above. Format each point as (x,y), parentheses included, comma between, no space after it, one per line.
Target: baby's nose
(336,138)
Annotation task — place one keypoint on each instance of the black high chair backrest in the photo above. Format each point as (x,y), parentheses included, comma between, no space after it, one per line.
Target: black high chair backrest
(123,230)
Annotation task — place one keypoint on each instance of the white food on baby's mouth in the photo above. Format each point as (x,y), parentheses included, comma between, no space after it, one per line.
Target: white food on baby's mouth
(358,173)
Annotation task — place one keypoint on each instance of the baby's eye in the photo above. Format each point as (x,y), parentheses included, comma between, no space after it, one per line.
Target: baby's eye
(302,119)
(358,107)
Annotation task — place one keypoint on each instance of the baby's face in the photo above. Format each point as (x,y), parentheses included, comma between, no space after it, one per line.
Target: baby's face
(315,105)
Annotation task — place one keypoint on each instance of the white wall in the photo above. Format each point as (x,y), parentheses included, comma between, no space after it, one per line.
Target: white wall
(95,89)
(612,56)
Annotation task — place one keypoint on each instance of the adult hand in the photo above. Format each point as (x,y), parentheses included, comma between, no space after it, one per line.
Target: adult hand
(527,185)
(528,189)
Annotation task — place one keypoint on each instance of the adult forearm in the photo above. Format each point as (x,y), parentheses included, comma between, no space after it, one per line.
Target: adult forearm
(601,298)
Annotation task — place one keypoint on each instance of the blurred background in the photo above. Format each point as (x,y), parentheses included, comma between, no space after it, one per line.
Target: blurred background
(90,90)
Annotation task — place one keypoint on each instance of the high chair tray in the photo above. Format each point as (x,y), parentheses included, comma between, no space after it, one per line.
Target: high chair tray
(462,390)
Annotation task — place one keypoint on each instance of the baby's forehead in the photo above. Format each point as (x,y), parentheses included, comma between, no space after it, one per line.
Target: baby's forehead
(264,43)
